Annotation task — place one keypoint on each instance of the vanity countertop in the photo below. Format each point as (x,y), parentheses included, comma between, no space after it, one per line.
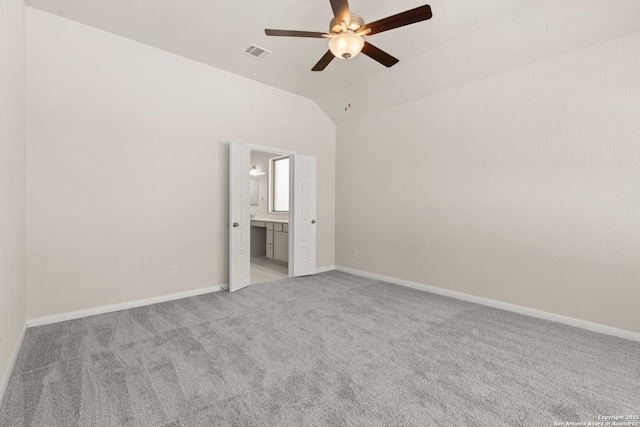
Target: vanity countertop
(268,219)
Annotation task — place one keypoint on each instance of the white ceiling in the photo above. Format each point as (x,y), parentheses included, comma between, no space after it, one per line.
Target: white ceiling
(466,40)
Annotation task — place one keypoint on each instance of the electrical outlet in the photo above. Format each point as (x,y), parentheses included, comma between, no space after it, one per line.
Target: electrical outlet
(174,270)
(355,253)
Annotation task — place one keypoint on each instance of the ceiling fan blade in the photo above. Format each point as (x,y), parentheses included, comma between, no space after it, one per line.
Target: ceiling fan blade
(324,61)
(341,11)
(379,55)
(412,16)
(293,33)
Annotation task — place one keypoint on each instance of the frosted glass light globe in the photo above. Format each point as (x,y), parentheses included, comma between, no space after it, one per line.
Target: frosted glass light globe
(346,45)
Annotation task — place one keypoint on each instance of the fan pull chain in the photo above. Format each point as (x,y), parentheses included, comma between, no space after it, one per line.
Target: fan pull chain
(347,88)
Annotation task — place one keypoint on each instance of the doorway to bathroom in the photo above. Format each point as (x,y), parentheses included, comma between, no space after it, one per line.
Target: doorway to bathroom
(269,215)
(275,223)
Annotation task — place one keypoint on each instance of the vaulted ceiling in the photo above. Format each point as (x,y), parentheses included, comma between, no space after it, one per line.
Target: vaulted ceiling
(465,41)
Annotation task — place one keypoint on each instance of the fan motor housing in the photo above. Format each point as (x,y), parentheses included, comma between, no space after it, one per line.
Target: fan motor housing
(356,23)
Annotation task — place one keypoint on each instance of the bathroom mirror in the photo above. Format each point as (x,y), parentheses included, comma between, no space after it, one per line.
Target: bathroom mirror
(254,191)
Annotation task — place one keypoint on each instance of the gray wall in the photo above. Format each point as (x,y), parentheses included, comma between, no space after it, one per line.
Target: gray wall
(522,188)
(12,179)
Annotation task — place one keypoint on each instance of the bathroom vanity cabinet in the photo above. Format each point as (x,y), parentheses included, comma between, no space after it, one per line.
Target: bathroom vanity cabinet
(277,238)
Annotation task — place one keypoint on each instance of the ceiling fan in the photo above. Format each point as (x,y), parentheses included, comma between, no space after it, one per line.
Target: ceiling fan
(346,32)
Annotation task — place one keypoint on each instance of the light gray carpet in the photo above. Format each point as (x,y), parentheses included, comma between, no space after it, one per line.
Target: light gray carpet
(332,349)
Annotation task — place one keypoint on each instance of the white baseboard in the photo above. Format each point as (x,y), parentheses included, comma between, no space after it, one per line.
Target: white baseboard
(47,320)
(12,362)
(325,269)
(122,306)
(583,324)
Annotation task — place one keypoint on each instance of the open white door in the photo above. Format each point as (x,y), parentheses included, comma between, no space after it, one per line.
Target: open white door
(304,215)
(239,223)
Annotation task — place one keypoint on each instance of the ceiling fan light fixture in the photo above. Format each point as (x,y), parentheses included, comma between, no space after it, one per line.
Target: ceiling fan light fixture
(346,45)
(346,31)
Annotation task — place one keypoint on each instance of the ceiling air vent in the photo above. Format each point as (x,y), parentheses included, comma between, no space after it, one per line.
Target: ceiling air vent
(257,52)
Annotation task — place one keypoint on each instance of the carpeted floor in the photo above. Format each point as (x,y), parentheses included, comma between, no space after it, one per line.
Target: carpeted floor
(332,349)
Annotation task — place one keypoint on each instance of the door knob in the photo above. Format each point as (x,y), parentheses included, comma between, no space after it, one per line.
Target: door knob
(235,224)
(313,221)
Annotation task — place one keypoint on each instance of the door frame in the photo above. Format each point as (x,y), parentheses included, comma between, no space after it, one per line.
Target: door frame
(291,154)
